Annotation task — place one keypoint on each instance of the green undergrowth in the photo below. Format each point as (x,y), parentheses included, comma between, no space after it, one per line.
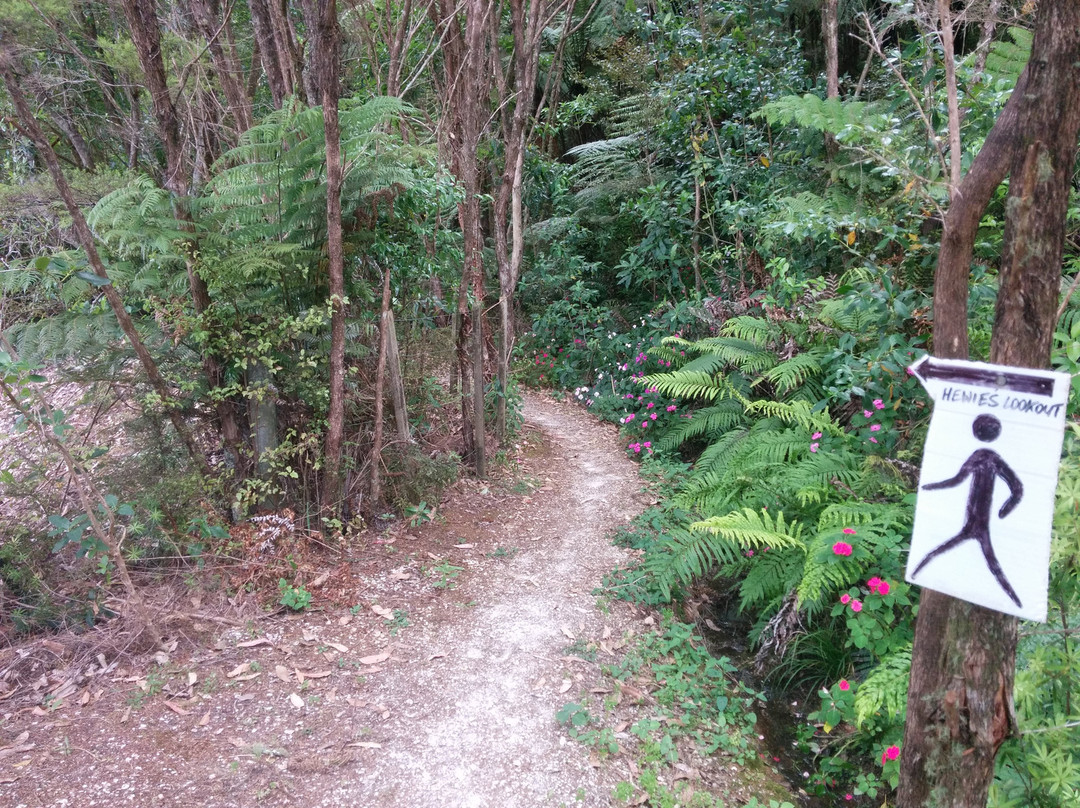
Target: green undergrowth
(671,708)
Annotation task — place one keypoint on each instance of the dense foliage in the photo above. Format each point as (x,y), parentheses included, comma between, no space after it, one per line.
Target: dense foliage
(717,256)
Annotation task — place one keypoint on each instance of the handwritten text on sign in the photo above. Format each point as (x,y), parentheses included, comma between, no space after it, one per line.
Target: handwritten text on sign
(986,491)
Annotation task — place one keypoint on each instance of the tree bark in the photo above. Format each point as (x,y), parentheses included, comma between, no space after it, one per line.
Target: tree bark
(327,59)
(397,381)
(830,30)
(960,695)
(385,324)
(86,239)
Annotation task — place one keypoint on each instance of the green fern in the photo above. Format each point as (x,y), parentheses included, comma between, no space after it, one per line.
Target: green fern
(684,555)
(884,692)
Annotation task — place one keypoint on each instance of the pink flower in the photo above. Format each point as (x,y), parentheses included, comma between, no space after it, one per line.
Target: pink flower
(671,408)
(630,417)
(841,548)
(883,588)
(815,436)
(880,405)
(892,753)
(849,531)
(813,447)
(844,685)
(650,405)
(873,440)
(867,414)
(845,598)
(652,415)
(849,797)
(875,427)
(874,583)
(856,605)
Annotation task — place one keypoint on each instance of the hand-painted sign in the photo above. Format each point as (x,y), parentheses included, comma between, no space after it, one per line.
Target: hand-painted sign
(986,492)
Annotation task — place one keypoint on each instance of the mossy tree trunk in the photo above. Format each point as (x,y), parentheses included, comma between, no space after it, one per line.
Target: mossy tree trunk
(960,696)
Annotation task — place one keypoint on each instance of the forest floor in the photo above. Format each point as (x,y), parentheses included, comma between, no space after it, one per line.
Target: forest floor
(427,671)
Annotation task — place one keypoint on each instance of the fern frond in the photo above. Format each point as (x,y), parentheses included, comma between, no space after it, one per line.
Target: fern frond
(884,692)
(772,575)
(708,422)
(794,372)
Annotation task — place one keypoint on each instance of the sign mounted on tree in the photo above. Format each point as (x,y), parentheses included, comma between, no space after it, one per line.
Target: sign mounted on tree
(986,491)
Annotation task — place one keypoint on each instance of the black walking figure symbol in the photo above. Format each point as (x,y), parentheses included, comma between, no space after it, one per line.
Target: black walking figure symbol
(984,467)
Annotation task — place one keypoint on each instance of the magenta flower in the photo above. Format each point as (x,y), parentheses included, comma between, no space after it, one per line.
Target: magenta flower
(873,440)
(874,583)
(631,417)
(813,447)
(841,548)
(652,415)
(892,753)
(883,588)
(815,436)
(650,405)
(647,445)
(849,531)
(844,685)
(671,408)
(879,404)
(856,605)
(867,414)
(845,598)
(875,427)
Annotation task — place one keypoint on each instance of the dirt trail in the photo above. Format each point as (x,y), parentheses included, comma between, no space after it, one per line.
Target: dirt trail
(456,710)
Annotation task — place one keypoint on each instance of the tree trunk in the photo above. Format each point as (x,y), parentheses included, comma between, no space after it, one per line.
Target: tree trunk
(385,323)
(86,239)
(960,695)
(397,382)
(830,28)
(327,59)
(263,27)
(228,69)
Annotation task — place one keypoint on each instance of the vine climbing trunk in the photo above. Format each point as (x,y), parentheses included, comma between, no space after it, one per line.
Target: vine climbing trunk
(963,662)
(327,64)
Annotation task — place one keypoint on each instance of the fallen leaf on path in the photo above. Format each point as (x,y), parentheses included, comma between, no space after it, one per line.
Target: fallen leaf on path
(365,744)
(192,678)
(177,709)
(568,633)
(400,574)
(375,659)
(344,620)
(464,546)
(204,720)
(295,700)
(355,702)
(6,780)
(344,649)
(242,668)
(382,611)
(566,685)
(125,716)
(253,643)
(9,694)
(607,633)
(315,674)
(246,697)
(237,743)
(84,699)
(282,673)
(320,580)
(249,677)
(438,655)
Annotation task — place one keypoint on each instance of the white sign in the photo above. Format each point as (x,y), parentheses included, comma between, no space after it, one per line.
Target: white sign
(986,492)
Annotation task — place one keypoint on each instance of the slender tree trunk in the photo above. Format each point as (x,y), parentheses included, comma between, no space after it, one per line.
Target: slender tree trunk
(263,27)
(86,239)
(963,663)
(327,58)
(228,69)
(397,382)
(830,30)
(945,26)
(385,323)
